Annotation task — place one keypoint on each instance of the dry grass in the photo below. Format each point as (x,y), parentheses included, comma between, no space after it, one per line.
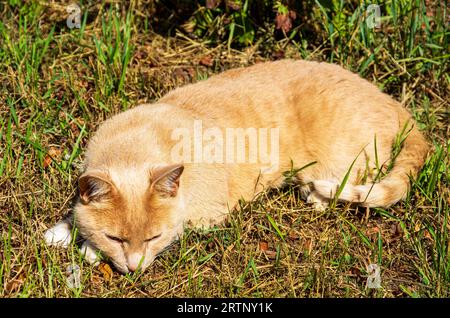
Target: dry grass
(57,85)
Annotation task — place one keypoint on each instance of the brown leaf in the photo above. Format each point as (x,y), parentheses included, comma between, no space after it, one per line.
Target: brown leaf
(13,286)
(283,22)
(47,161)
(372,231)
(53,153)
(417,227)
(106,270)
(206,61)
(271,254)
(212,4)
(263,246)
(427,235)
(308,245)
(233,4)
(293,236)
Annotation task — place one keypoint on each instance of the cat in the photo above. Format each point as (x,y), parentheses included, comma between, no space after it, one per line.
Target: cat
(135,199)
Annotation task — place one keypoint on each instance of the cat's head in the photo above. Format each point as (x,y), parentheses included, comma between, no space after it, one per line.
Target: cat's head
(132,215)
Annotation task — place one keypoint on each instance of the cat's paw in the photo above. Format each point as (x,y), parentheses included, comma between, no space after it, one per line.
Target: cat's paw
(59,235)
(319,203)
(305,191)
(90,253)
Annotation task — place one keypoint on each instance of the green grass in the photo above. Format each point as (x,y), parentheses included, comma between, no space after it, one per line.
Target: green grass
(58,84)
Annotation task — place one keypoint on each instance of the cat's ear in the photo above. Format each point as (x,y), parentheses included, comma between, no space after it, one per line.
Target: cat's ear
(166,180)
(94,186)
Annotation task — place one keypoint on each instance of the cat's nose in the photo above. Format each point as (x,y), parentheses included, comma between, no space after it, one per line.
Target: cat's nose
(133,261)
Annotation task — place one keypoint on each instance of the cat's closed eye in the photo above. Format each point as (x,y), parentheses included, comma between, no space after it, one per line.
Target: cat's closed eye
(153,238)
(115,238)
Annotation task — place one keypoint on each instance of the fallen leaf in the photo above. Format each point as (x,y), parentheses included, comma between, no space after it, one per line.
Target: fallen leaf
(271,254)
(13,286)
(206,61)
(233,4)
(427,235)
(373,230)
(308,246)
(47,161)
(212,4)
(284,21)
(417,227)
(293,236)
(263,246)
(53,153)
(106,270)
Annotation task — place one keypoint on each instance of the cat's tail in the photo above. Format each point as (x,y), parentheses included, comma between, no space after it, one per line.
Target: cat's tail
(393,187)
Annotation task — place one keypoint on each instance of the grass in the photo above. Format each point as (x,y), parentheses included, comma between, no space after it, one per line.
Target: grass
(58,84)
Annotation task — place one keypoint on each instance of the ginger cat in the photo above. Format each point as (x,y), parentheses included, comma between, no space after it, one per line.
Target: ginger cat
(135,198)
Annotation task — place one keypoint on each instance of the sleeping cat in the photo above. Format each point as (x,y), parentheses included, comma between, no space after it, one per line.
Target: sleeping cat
(139,189)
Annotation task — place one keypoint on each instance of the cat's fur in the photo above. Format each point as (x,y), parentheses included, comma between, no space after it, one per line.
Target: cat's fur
(132,191)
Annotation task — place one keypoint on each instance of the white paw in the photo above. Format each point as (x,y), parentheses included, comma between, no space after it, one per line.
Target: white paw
(90,253)
(305,190)
(319,203)
(59,235)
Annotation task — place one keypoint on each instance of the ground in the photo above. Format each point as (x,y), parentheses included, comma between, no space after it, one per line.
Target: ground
(59,83)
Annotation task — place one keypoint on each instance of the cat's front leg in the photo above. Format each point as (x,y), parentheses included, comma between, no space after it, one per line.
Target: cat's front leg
(60,234)
(91,253)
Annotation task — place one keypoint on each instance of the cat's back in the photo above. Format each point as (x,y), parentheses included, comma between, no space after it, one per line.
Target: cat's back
(267,93)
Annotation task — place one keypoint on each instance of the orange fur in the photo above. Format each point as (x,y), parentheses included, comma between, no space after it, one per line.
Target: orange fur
(324,114)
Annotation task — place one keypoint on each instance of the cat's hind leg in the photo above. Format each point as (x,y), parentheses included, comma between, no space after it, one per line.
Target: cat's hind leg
(319,202)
